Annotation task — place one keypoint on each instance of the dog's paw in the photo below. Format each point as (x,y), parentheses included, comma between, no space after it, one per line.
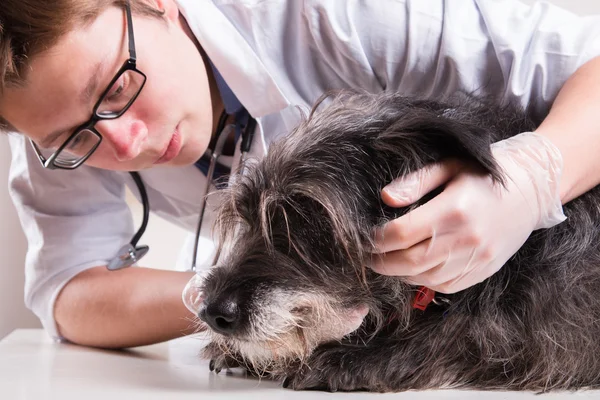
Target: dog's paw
(329,370)
(224,362)
(220,360)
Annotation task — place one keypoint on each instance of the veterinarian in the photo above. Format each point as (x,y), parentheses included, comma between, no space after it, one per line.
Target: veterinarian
(193,59)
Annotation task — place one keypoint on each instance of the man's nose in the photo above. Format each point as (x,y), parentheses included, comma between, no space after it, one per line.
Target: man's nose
(125,135)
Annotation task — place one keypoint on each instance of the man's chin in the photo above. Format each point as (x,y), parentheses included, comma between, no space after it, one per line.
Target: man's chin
(189,155)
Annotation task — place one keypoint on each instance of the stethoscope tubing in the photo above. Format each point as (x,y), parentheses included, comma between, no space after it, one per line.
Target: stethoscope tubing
(146,206)
(214,158)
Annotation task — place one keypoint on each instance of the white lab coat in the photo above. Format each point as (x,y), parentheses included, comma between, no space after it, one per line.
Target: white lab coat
(275,56)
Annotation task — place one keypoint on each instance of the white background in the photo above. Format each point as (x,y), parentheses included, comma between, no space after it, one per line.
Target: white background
(163,238)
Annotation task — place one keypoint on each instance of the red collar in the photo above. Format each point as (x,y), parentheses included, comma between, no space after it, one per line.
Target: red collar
(423,297)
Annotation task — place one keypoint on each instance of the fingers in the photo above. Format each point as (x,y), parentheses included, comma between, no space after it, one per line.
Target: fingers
(447,271)
(406,190)
(414,261)
(450,276)
(415,227)
(431,262)
(469,277)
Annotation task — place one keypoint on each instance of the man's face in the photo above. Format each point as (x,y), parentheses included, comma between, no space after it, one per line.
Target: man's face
(169,123)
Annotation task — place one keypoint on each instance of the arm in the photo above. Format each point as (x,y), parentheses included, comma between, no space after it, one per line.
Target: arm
(74,221)
(573,125)
(125,308)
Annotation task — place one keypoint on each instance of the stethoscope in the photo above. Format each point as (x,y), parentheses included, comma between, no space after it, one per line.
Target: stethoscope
(245,125)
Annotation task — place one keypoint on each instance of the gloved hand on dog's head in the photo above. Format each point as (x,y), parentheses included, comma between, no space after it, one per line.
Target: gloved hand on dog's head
(467,232)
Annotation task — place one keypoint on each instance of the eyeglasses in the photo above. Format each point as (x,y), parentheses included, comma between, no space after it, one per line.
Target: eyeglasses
(120,94)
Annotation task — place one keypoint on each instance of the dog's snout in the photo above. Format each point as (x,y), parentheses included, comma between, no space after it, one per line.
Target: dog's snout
(223,316)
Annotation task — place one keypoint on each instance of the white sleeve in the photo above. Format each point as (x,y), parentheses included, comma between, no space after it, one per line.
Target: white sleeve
(73,220)
(435,47)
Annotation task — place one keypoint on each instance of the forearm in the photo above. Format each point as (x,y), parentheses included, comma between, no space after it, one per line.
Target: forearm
(126,308)
(573,125)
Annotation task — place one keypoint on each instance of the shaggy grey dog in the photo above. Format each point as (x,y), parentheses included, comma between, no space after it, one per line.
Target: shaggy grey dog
(297,301)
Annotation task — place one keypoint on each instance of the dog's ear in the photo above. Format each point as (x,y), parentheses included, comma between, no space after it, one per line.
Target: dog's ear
(327,221)
(463,127)
(414,132)
(422,136)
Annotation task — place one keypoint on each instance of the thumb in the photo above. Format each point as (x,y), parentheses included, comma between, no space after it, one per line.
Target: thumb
(407,189)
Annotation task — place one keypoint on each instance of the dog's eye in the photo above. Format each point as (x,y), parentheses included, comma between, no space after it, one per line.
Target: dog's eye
(300,310)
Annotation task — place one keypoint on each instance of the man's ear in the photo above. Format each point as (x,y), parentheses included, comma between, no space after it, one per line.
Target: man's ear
(168,6)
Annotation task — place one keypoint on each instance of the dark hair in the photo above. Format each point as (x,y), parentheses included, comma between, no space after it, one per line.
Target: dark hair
(29,27)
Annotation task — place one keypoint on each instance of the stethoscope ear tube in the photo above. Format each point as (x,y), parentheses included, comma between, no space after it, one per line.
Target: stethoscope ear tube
(223,135)
(247,125)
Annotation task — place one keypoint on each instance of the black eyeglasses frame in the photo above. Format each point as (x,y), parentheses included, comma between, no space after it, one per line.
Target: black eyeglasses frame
(129,65)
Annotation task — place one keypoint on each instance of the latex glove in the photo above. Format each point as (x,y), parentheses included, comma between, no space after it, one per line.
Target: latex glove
(468,231)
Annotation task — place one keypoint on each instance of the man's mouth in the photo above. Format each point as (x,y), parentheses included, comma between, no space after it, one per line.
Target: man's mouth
(172,149)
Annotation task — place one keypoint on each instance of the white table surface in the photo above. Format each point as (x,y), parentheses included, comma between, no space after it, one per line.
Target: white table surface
(34,367)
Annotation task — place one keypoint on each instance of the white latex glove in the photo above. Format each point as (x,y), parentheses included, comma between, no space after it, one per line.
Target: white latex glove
(467,232)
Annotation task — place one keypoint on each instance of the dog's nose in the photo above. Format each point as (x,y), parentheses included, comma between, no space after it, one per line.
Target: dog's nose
(223,316)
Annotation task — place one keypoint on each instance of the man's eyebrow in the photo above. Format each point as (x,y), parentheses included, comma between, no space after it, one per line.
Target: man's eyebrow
(92,85)
(48,140)
(85,97)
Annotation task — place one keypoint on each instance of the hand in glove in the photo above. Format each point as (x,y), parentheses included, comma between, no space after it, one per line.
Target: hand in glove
(468,232)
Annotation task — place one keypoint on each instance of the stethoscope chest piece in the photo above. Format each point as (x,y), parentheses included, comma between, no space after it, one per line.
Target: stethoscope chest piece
(127,256)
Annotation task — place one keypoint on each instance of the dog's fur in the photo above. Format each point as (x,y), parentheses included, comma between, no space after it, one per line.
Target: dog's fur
(295,299)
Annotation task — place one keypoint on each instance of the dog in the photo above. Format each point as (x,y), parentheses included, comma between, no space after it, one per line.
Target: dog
(292,296)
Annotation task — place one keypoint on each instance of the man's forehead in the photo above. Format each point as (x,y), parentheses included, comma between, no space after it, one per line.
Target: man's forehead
(41,105)
(61,82)
(26,112)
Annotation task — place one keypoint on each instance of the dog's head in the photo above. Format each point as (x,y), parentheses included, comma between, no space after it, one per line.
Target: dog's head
(297,226)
